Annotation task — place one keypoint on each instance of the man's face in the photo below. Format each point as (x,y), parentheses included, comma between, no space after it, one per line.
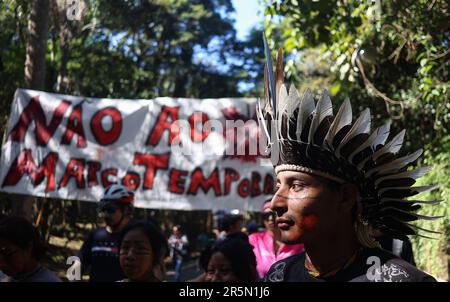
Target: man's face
(112,214)
(176,231)
(306,206)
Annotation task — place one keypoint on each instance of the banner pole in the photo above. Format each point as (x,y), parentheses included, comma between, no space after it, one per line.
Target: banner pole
(41,212)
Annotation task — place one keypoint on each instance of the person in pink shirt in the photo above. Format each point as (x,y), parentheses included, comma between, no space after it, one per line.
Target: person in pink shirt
(267,246)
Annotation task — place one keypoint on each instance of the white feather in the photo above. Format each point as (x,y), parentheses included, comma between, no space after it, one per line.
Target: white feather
(361,125)
(306,108)
(283,98)
(275,151)
(378,136)
(293,100)
(343,118)
(262,124)
(324,108)
(293,103)
(383,135)
(392,147)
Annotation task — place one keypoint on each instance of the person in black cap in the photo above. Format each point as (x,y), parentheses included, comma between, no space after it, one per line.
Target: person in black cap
(336,181)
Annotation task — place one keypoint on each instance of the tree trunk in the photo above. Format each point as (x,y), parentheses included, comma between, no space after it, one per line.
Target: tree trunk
(66,29)
(34,77)
(63,80)
(37,45)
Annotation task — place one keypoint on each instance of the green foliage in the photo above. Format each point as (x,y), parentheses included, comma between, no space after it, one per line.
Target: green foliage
(13,16)
(403,47)
(148,48)
(433,255)
(132,49)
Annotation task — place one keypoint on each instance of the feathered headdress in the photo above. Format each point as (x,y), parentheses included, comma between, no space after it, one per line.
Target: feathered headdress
(304,136)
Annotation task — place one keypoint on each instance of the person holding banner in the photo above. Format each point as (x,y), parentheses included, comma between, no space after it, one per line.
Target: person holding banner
(100,250)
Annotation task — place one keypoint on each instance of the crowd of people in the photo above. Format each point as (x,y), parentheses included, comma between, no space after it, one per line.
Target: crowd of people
(126,250)
(135,251)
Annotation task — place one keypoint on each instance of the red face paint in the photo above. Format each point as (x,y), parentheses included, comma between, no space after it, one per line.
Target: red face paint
(309,221)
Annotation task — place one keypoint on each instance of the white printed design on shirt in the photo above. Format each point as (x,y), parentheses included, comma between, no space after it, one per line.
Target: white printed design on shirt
(278,272)
(390,272)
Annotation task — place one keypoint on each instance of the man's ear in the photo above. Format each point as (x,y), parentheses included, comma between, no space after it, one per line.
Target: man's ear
(350,195)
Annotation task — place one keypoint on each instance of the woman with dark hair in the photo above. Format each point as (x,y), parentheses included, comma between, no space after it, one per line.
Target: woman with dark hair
(142,248)
(231,260)
(21,251)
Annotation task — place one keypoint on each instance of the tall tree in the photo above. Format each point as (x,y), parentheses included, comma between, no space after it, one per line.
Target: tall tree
(34,75)
(37,44)
(66,29)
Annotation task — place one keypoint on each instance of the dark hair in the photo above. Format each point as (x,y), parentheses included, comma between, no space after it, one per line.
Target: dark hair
(205,255)
(241,257)
(252,227)
(332,184)
(154,235)
(20,232)
(228,220)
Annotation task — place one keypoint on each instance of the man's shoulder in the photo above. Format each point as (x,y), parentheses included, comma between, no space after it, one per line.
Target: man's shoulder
(384,266)
(397,269)
(287,269)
